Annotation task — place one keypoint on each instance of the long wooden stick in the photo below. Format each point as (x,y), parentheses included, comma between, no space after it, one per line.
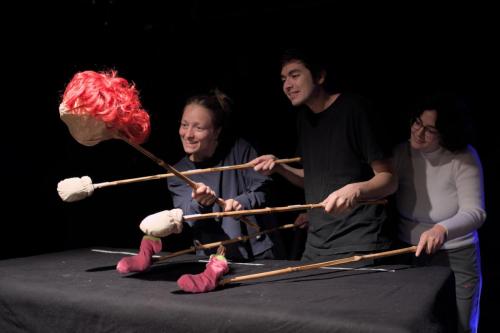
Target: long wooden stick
(191,183)
(164,165)
(224,242)
(269,210)
(188,173)
(318,265)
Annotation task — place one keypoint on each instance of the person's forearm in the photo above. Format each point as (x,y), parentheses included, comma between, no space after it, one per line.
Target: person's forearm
(464,222)
(293,175)
(380,186)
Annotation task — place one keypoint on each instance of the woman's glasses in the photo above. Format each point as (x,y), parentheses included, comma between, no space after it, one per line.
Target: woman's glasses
(430,131)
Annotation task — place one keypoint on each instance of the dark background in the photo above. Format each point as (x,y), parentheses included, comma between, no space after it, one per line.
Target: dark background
(391,54)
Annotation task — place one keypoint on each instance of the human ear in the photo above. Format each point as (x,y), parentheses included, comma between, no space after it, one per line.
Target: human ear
(321,77)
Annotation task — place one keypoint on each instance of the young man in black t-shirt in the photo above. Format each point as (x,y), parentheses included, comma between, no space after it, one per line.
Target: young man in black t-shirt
(342,164)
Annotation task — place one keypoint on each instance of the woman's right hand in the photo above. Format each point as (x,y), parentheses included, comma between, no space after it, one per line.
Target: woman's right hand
(431,240)
(204,195)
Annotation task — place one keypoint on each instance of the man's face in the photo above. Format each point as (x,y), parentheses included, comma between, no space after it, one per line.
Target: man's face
(298,82)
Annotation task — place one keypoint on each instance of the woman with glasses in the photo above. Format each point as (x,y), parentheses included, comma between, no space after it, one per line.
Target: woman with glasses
(440,199)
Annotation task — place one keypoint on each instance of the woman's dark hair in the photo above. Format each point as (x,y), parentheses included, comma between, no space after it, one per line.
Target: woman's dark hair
(453,123)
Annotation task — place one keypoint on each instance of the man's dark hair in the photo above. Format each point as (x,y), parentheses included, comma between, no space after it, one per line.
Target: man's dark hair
(316,61)
(309,58)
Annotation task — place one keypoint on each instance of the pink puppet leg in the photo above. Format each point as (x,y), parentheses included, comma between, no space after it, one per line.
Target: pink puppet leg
(208,280)
(149,245)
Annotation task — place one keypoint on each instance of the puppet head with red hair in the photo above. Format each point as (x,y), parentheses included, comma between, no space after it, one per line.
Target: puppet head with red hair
(101,106)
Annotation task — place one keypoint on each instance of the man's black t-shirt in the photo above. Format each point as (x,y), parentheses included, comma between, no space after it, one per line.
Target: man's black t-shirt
(337,147)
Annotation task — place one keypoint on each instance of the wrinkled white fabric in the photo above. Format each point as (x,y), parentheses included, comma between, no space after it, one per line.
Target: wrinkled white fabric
(74,189)
(163,223)
(85,129)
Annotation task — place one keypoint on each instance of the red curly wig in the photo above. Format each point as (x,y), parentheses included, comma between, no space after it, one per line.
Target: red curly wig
(111,99)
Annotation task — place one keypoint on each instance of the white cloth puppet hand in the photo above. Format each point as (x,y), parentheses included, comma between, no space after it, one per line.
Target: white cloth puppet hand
(74,189)
(163,223)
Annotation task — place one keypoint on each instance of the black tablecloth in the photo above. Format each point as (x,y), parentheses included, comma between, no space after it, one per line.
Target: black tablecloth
(80,291)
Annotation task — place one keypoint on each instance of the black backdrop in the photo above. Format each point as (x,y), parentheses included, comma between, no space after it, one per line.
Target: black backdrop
(173,49)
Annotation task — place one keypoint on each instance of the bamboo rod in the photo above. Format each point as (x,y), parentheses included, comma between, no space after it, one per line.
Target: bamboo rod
(269,210)
(191,183)
(163,164)
(189,173)
(224,242)
(318,265)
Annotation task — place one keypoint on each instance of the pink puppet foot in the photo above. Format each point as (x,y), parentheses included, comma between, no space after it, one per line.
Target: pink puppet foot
(140,262)
(206,281)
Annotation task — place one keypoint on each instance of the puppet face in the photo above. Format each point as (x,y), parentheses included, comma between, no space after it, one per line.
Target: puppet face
(197,132)
(85,129)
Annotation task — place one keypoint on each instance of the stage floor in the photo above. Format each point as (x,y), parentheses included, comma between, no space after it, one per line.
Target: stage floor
(80,291)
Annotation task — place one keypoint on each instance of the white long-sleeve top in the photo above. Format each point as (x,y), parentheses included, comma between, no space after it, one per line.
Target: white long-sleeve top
(439,187)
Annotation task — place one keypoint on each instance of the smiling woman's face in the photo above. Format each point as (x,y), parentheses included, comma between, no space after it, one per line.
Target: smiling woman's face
(197,132)
(424,134)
